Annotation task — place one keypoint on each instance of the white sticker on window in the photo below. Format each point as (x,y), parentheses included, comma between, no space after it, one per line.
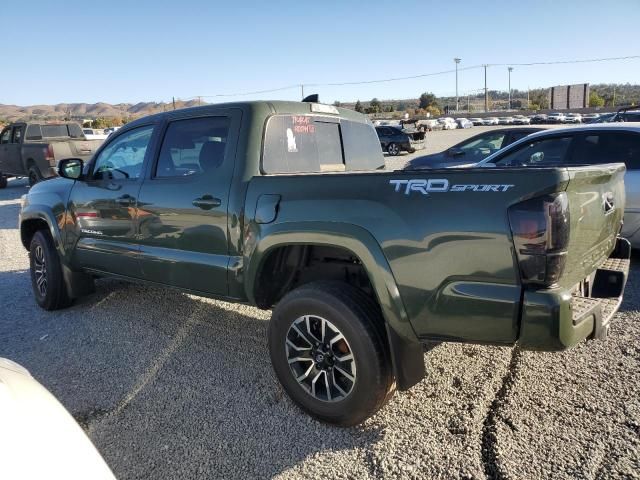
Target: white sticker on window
(291,142)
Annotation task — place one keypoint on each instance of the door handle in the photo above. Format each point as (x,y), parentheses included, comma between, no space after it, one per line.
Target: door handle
(125,200)
(206,202)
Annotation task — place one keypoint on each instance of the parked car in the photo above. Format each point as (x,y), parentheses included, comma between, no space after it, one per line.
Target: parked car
(505,120)
(573,118)
(590,117)
(40,439)
(394,140)
(472,150)
(588,145)
(94,134)
(604,118)
(538,119)
(491,121)
(448,123)
(556,117)
(521,120)
(476,121)
(464,123)
(280,205)
(626,114)
(33,149)
(431,124)
(111,130)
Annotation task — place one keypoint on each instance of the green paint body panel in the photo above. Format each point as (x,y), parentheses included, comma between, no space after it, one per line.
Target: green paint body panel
(442,265)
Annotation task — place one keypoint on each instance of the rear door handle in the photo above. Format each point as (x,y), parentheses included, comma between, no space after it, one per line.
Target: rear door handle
(125,200)
(207,202)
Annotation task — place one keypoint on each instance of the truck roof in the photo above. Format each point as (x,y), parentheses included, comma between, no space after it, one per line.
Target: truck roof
(267,106)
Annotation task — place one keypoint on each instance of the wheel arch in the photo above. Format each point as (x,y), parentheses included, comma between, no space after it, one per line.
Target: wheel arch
(39,217)
(406,350)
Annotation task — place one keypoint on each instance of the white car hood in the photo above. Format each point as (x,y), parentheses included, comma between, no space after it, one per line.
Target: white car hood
(38,437)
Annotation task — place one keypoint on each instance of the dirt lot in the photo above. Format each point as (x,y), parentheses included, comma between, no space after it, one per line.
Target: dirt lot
(174,386)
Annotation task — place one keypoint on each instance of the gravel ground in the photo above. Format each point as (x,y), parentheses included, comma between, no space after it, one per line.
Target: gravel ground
(170,385)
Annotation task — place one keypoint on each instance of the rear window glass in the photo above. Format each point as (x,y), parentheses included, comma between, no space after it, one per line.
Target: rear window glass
(54,131)
(309,144)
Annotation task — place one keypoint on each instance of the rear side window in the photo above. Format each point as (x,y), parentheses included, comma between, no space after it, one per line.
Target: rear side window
(34,132)
(608,147)
(311,144)
(17,134)
(193,146)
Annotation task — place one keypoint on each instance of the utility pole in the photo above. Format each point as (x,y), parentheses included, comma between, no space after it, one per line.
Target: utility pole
(510,70)
(199,100)
(302,91)
(174,102)
(468,104)
(457,60)
(486,93)
(614,95)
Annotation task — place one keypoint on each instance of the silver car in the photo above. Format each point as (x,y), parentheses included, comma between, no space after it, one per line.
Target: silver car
(585,145)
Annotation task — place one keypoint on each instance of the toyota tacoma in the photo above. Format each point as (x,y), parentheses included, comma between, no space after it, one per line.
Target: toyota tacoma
(283,205)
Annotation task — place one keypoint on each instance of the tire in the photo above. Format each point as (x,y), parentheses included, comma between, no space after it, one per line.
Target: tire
(34,175)
(3,181)
(393,149)
(344,311)
(46,273)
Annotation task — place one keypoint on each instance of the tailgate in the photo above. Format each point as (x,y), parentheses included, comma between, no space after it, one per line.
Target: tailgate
(596,202)
(74,148)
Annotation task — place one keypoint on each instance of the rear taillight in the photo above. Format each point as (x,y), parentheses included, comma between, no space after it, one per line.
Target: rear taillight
(540,229)
(48,155)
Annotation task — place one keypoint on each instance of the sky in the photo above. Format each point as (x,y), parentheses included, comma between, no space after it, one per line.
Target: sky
(138,50)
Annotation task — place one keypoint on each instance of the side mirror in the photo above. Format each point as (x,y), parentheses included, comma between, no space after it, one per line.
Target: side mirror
(70,168)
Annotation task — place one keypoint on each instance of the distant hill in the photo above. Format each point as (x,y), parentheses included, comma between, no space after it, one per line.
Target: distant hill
(80,111)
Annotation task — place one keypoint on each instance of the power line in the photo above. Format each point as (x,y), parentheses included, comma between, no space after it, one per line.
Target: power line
(560,62)
(412,77)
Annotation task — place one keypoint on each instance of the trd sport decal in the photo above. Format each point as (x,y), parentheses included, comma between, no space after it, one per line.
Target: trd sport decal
(425,186)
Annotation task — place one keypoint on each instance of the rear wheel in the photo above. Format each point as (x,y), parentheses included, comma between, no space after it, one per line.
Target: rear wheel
(393,149)
(328,349)
(46,273)
(34,175)
(3,181)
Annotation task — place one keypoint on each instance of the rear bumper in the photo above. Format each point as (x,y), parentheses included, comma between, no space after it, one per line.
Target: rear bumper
(557,319)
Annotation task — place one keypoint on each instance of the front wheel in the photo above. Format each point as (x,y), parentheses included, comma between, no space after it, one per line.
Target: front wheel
(3,181)
(46,273)
(393,149)
(328,349)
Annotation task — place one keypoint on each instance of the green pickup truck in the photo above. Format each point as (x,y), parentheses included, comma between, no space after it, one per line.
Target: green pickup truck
(283,205)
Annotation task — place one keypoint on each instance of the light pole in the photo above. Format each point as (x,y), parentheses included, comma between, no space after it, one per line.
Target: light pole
(510,70)
(457,60)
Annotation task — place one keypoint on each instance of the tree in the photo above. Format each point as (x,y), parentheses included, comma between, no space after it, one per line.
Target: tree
(427,100)
(337,104)
(358,107)
(375,106)
(595,100)
(402,107)
(433,110)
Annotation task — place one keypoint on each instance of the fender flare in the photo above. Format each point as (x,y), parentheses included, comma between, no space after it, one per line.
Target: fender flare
(44,213)
(406,350)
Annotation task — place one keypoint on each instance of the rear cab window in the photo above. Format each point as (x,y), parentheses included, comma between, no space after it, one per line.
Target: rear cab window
(317,143)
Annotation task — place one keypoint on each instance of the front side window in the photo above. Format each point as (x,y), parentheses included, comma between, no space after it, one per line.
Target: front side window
(193,146)
(539,153)
(5,136)
(123,158)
